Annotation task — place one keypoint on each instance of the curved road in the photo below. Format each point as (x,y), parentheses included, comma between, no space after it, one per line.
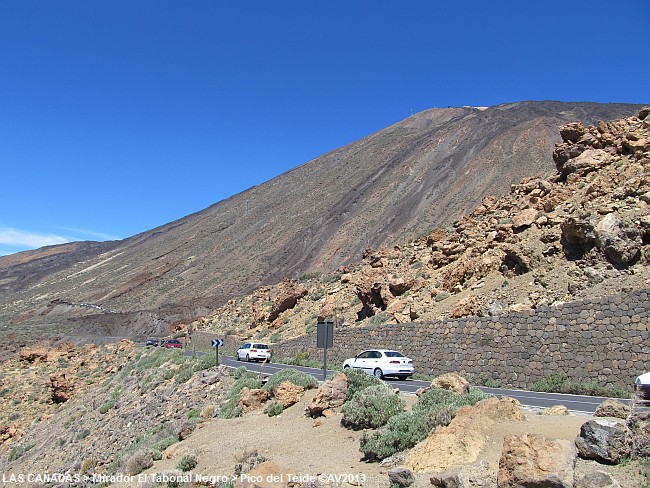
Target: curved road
(534,399)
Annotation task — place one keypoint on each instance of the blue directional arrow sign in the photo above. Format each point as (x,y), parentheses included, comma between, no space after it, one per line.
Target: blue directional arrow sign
(217,343)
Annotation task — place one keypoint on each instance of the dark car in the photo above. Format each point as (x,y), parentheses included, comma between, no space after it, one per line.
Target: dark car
(151,342)
(173,343)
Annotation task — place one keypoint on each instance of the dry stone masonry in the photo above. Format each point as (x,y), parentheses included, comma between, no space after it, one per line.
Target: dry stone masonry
(603,340)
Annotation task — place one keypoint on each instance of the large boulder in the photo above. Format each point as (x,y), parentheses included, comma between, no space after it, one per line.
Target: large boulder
(451,478)
(463,440)
(271,475)
(586,162)
(288,394)
(284,295)
(451,381)
(400,477)
(619,239)
(532,460)
(555,410)
(524,218)
(603,440)
(62,388)
(252,399)
(578,235)
(612,408)
(639,428)
(331,394)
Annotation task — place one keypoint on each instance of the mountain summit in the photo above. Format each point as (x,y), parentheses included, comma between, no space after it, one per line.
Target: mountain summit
(426,171)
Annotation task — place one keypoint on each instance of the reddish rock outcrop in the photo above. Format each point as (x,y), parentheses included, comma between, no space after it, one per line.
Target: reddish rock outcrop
(252,399)
(533,460)
(331,394)
(62,388)
(288,394)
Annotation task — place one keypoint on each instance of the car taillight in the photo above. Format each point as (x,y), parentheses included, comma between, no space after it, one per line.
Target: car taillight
(394,362)
(253,350)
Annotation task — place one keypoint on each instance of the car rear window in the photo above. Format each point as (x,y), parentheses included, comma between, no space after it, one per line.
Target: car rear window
(394,354)
(260,346)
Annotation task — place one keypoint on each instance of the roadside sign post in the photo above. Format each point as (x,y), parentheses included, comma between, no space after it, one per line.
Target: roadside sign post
(216,344)
(325,339)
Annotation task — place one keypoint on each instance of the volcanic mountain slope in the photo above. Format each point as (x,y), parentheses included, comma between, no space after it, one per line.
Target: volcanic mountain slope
(582,232)
(398,183)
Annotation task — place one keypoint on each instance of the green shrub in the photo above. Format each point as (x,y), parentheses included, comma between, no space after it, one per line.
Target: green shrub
(242,372)
(107,406)
(183,374)
(434,407)
(163,444)
(358,380)
(559,383)
(273,409)
(195,413)
(17,452)
(291,375)
(230,407)
(243,382)
(203,362)
(187,463)
(371,408)
(83,434)
(402,432)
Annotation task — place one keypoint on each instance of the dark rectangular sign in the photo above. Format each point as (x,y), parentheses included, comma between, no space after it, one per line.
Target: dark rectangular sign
(325,335)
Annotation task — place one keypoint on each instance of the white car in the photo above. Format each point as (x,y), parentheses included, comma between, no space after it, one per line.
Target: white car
(381,363)
(643,385)
(254,351)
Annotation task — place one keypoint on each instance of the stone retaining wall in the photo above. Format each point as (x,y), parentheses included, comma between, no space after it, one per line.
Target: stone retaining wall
(604,340)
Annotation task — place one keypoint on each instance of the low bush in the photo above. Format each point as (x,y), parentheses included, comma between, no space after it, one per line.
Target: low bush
(230,407)
(139,461)
(294,376)
(242,372)
(106,406)
(247,461)
(183,374)
(195,413)
(230,410)
(561,384)
(203,362)
(17,452)
(371,408)
(434,408)
(187,463)
(273,409)
(358,380)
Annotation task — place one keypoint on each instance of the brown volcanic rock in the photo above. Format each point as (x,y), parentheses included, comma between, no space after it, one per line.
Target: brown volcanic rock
(331,394)
(284,296)
(288,394)
(533,460)
(62,388)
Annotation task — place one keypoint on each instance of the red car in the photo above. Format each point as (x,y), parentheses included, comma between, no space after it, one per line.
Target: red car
(172,343)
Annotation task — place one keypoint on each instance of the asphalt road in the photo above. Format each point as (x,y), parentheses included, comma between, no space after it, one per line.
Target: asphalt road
(534,399)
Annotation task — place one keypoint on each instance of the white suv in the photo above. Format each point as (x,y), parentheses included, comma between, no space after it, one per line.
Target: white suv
(254,351)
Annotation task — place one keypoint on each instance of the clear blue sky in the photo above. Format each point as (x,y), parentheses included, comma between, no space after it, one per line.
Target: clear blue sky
(119,116)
